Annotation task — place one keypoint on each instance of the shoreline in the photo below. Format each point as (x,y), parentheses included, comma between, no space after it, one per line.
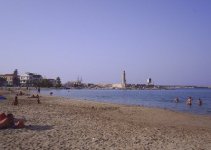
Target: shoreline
(129,105)
(139,105)
(60,123)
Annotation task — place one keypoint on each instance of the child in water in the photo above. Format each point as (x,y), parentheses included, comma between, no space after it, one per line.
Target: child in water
(176,100)
(199,102)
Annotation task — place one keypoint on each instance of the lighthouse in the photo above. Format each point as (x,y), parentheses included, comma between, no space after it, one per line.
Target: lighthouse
(124,79)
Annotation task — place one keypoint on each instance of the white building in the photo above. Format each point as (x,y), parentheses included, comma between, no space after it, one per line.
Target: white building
(28,79)
(149,81)
(25,79)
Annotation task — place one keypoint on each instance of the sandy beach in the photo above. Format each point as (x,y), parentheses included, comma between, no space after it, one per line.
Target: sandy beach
(59,123)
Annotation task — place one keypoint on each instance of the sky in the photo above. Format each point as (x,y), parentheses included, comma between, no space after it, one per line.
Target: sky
(166,40)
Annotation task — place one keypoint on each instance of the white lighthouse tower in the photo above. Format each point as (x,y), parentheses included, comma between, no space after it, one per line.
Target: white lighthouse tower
(124,79)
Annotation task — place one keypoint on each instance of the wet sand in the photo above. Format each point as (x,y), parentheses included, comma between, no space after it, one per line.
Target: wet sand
(58,123)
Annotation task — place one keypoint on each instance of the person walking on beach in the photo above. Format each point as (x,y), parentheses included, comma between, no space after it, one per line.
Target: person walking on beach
(38,99)
(16,100)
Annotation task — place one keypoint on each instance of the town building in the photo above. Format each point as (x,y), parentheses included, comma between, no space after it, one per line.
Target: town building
(30,79)
(52,81)
(9,79)
(149,81)
(26,79)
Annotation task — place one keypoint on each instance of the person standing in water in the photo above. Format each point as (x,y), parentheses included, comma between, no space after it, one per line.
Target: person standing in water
(199,102)
(38,89)
(189,101)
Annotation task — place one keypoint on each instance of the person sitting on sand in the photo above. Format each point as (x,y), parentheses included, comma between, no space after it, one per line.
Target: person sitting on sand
(16,100)
(176,100)
(51,93)
(8,121)
(33,96)
(199,102)
(189,101)
(21,93)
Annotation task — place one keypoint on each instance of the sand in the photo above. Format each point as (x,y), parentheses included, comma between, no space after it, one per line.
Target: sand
(59,123)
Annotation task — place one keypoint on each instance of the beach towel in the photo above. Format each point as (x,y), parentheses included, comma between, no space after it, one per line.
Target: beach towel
(2,97)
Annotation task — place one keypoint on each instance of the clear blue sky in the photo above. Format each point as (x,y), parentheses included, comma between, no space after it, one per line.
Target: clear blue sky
(167,40)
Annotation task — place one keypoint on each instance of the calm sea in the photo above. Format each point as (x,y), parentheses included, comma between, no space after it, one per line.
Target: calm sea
(150,98)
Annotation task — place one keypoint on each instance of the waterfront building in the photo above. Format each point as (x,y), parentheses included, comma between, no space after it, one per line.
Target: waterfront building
(149,81)
(29,79)
(26,79)
(117,86)
(9,78)
(52,81)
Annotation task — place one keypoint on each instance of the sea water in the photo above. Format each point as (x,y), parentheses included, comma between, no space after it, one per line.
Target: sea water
(149,98)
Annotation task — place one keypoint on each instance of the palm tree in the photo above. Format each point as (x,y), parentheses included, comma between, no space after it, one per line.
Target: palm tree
(16,80)
(58,82)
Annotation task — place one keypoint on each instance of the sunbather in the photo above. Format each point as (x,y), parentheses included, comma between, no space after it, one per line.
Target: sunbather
(8,121)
